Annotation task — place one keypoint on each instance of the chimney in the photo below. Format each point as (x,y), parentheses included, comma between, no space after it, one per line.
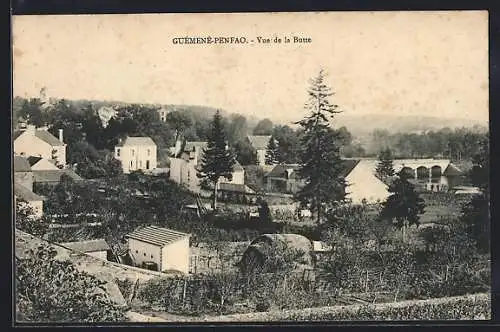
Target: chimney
(61,136)
(31,129)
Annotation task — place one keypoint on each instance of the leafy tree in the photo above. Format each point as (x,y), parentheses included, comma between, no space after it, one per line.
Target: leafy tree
(93,164)
(385,167)
(179,121)
(404,206)
(245,153)
(272,152)
(289,145)
(237,129)
(264,127)
(49,290)
(264,211)
(321,166)
(32,112)
(476,213)
(217,160)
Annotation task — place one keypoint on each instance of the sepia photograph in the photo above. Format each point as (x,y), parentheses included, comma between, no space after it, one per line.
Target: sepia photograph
(250,167)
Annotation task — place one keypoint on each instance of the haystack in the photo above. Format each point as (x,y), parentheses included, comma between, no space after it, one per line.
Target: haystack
(260,248)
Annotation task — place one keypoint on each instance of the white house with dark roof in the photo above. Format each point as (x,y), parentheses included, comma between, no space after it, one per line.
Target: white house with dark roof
(259,143)
(186,161)
(40,143)
(137,153)
(163,248)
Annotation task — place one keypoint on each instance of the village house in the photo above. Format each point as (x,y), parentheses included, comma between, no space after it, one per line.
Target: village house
(40,143)
(363,184)
(259,143)
(97,248)
(162,113)
(159,249)
(137,153)
(186,161)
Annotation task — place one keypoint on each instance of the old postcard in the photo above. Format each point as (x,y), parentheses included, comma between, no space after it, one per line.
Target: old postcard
(258,167)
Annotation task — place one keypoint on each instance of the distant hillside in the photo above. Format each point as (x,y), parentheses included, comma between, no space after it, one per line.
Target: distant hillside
(363,125)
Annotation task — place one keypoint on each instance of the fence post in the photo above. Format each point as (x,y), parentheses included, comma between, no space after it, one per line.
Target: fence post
(184,293)
(446,274)
(366,282)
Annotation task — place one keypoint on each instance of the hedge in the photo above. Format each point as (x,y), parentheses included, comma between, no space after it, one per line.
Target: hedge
(470,307)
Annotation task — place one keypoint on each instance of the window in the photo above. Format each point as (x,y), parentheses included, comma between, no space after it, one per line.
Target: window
(144,254)
(137,251)
(117,152)
(149,152)
(151,256)
(133,152)
(147,164)
(140,163)
(131,164)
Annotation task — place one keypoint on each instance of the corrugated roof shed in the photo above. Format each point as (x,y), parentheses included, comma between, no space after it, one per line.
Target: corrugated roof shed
(157,235)
(137,141)
(21,164)
(259,142)
(87,246)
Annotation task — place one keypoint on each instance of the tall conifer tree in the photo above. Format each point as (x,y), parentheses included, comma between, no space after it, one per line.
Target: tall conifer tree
(321,166)
(217,160)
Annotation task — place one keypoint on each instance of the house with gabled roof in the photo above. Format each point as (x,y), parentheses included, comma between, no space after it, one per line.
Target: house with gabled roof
(39,142)
(185,163)
(259,143)
(137,153)
(159,249)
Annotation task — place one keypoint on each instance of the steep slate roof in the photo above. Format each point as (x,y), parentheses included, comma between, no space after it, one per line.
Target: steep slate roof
(21,164)
(156,235)
(241,188)
(452,170)
(259,142)
(48,138)
(279,170)
(137,141)
(54,175)
(87,246)
(25,194)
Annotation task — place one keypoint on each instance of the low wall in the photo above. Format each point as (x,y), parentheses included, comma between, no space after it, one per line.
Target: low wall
(469,307)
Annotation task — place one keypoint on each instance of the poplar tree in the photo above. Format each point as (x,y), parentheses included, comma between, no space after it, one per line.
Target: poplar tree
(217,160)
(321,165)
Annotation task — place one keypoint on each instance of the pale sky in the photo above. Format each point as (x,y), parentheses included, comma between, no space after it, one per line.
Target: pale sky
(427,63)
